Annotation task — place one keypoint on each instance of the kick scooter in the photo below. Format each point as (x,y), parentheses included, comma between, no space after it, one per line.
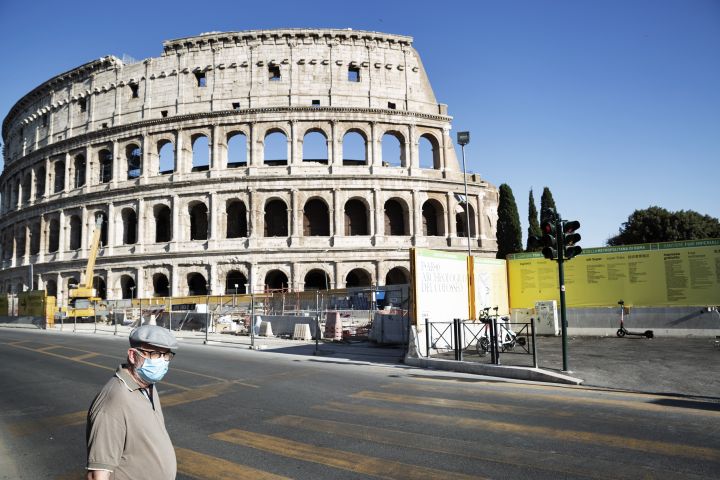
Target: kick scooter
(622,331)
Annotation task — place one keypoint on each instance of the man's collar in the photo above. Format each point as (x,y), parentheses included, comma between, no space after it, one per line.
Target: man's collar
(124,375)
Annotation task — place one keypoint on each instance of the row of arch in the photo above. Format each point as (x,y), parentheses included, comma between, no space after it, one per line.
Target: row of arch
(276,221)
(101,169)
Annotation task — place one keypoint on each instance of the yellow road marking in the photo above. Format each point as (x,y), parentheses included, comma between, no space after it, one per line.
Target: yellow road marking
(340,459)
(616,441)
(450,403)
(643,405)
(79,418)
(536,460)
(84,356)
(198,465)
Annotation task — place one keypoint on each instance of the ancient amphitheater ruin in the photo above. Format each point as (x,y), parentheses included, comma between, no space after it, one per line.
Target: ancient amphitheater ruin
(172,155)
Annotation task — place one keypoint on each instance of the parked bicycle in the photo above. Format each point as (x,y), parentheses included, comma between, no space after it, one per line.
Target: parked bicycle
(506,337)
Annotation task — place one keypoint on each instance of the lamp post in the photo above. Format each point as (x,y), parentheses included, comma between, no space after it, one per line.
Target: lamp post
(235,297)
(207,311)
(463,138)
(132,297)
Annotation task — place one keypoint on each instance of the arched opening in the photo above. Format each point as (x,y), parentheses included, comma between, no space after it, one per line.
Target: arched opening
(103,227)
(236,219)
(314,147)
(163,223)
(105,162)
(275,148)
(79,167)
(397,276)
(20,242)
(432,219)
(54,236)
(198,221)
(129,226)
(166,157)
(200,153)
(133,154)
(75,232)
(100,287)
(35,238)
(317,279)
(161,285)
(354,148)
(237,151)
(40,182)
(276,221)
(316,219)
(393,150)
(235,282)
(394,218)
(429,152)
(358,277)
(26,185)
(276,280)
(51,288)
(356,218)
(59,184)
(197,285)
(461,220)
(128,288)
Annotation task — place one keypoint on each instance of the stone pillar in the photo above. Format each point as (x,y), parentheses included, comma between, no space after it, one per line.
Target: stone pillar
(416,216)
(216,163)
(43,239)
(174,281)
(334,146)
(213,279)
(255,147)
(33,189)
(85,229)
(175,206)
(294,215)
(144,159)
(140,283)
(451,226)
(378,214)
(141,224)
(336,225)
(253,215)
(115,166)
(414,158)
(48,188)
(295,146)
(374,147)
(68,161)
(110,228)
(212,216)
(61,236)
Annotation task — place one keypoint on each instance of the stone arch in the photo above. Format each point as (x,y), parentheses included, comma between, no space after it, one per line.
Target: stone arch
(128,288)
(51,288)
(26,188)
(100,287)
(396,217)
(393,149)
(316,218)
(235,277)
(358,277)
(355,147)
(59,174)
(105,165)
(40,182)
(79,169)
(75,224)
(197,284)
(397,276)
(200,144)
(237,225)
(356,217)
(129,225)
(53,235)
(429,151)
(161,285)
(317,279)
(167,161)
(276,280)
(163,223)
(276,218)
(237,149)
(461,219)
(198,213)
(433,220)
(315,146)
(35,238)
(275,147)
(134,161)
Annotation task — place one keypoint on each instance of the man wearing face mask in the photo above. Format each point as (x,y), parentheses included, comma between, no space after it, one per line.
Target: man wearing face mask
(126,436)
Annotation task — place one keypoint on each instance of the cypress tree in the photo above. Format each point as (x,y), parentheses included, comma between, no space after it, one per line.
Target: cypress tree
(533,222)
(509,232)
(547,201)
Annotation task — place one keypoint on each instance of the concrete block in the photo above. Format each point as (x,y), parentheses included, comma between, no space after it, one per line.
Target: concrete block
(302,332)
(266,329)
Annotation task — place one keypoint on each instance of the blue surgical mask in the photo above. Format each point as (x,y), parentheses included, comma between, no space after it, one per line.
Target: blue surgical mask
(152,371)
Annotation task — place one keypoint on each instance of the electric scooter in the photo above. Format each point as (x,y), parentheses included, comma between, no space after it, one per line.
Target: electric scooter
(622,331)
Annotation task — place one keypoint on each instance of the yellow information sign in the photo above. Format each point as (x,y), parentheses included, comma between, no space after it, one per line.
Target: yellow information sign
(31,303)
(654,274)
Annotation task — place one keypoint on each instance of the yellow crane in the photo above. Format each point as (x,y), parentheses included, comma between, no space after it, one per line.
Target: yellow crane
(82,298)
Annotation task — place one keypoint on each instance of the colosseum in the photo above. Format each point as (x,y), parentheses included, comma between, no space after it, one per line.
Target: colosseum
(172,157)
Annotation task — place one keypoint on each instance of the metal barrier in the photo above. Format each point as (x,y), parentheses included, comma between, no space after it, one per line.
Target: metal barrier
(482,337)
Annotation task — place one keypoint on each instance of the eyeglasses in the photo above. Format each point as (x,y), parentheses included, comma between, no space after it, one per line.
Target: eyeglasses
(154,354)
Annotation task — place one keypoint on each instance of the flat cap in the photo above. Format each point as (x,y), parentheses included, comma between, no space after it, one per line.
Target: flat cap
(153,335)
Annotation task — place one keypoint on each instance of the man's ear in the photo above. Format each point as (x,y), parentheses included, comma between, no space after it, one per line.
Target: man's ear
(132,356)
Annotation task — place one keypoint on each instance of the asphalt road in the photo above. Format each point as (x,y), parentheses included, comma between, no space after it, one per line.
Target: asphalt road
(234,414)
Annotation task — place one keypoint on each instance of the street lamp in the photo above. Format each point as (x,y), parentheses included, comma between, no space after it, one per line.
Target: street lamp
(463,138)
(235,297)
(207,311)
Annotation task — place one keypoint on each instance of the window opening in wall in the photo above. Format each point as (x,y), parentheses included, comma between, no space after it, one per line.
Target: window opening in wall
(103,228)
(83,104)
(35,239)
(100,287)
(134,161)
(45,120)
(75,232)
(163,113)
(104,125)
(314,148)
(354,149)
(235,282)
(237,151)
(316,103)
(40,183)
(163,223)
(79,171)
(51,288)
(276,221)
(356,220)
(275,149)
(317,279)
(397,276)
(197,285)
(128,288)
(134,87)
(393,152)
(353,74)
(106,165)
(59,184)
(432,219)
(54,236)
(236,105)
(201,79)
(276,280)
(428,153)
(392,106)
(358,278)
(274,72)
(316,219)
(236,219)
(198,222)
(394,218)
(161,285)
(166,158)
(200,154)
(129,225)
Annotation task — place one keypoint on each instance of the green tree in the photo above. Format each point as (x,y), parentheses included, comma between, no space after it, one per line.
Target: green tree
(509,232)
(656,224)
(547,201)
(533,222)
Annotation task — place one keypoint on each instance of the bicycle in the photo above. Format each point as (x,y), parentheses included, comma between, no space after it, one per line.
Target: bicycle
(506,337)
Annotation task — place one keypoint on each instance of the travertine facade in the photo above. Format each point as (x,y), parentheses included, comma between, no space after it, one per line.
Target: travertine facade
(126,141)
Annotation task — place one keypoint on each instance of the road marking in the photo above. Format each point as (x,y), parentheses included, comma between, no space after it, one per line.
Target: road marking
(353,462)
(84,356)
(616,441)
(201,466)
(520,457)
(645,403)
(79,418)
(450,403)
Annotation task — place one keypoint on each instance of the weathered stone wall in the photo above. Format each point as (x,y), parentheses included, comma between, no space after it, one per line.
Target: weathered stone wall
(89,142)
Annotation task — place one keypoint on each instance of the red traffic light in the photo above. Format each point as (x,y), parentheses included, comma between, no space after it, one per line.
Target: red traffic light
(570,227)
(548,228)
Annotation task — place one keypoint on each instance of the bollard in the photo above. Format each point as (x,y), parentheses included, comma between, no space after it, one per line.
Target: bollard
(494,354)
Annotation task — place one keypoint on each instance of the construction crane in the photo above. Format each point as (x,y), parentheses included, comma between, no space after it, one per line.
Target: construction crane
(82,298)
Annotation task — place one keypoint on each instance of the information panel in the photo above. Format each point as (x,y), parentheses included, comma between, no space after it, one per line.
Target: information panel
(655,274)
(441,285)
(490,282)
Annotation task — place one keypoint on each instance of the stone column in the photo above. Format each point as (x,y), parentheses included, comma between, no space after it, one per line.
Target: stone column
(213,279)
(175,206)
(85,229)
(115,165)
(253,214)
(212,217)
(61,236)
(33,189)
(140,283)
(48,188)
(110,228)
(336,226)
(255,151)
(68,161)
(294,216)
(378,214)
(144,159)
(216,163)
(174,281)
(334,146)
(416,217)
(451,226)
(414,159)
(295,145)
(141,223)
(374,147)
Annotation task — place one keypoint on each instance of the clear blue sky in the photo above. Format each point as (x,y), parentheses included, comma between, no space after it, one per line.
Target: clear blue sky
(614,105)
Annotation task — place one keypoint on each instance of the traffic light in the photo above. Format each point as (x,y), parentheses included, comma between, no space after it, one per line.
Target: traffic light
(570,239)
(549,239)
